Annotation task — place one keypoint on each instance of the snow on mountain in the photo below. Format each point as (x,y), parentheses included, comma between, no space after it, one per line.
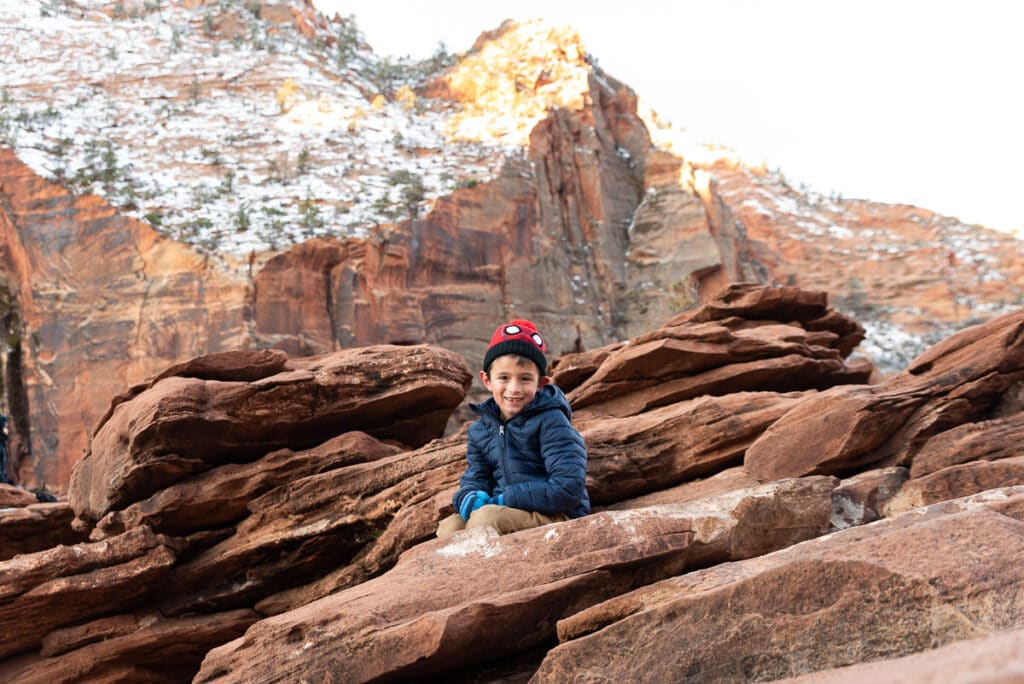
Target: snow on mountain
(223,126)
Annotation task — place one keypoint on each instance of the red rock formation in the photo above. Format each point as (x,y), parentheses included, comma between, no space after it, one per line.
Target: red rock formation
(36,527)
(453,603)
(333,538)
(185,424)
(803,609)
(103,301)
(904,264)
(961,380)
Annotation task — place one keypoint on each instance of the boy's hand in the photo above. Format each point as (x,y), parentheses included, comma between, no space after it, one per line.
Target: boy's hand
(473,501)
(498,500)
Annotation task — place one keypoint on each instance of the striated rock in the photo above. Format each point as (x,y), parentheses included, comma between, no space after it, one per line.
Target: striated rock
(955,482)
(995,658)
(355,519)
(629,457)
(802,609)
(142,648)
(753,302)
(456,602)
(221,496)
(988,440)
(718,349)
(569,370)
(37,527)
(960,380)
(725,481)
(185,425)
(42,591)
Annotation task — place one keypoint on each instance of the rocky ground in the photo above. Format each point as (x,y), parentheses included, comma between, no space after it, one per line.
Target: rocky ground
(760,513)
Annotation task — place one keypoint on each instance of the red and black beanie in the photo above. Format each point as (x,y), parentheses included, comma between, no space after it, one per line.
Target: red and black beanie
(518,337)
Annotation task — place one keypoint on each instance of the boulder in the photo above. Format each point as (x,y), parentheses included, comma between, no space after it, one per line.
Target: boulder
(844,429)
(476,597)
(723,347)
(899,586)
(65,585)
(181,426)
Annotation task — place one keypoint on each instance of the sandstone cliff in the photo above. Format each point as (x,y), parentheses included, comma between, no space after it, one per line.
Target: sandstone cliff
(527,184)
(255,517)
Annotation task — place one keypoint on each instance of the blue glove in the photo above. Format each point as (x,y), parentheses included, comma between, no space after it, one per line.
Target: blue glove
(498,500)
(473,501)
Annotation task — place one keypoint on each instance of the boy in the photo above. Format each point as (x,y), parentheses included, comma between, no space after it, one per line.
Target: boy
(526,463)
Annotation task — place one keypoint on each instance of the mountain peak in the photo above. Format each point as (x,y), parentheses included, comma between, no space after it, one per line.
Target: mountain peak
(511,77)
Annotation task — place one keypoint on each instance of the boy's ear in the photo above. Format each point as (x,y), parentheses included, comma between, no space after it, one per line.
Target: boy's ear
(543,381)
(484,379)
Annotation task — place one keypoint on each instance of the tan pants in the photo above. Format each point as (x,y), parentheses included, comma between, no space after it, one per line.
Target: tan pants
(502,518)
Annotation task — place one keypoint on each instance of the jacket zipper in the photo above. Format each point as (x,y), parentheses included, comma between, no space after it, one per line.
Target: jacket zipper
(502,455)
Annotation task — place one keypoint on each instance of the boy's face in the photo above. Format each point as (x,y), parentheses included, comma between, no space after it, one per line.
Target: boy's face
(513,382)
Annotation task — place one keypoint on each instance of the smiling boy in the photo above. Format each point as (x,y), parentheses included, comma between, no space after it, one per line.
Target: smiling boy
(526,463)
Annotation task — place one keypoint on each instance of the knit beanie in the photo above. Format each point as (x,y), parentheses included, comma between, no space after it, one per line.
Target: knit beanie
(518,337)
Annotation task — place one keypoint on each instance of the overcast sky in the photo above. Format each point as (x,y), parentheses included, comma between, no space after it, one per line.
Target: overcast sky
(896,101)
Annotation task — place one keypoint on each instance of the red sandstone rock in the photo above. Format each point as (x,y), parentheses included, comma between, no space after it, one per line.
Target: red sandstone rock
(474,597)
(747,338)
(62,586)
(959,380)
(629,457)
(141,648)
(221,496)
(184,425)
(725,481)
(983,658)
(983,441)
(802,609)
(15,497)
(336,529)
(36,527)
(107,302)
(862,498)
(955,482)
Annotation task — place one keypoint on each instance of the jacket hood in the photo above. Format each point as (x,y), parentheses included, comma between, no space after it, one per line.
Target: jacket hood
(547,398)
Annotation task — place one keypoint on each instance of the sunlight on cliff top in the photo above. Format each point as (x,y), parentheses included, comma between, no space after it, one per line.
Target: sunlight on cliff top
(507,85)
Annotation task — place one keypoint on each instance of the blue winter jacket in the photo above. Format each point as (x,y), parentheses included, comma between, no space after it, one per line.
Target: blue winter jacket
(537,460)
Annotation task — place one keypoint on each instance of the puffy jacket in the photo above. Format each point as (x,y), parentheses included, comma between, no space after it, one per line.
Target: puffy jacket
(537,460)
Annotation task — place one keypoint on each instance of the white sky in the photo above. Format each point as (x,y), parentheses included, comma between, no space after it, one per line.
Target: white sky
(890,100)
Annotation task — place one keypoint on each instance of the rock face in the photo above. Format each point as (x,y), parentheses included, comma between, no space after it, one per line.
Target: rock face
(595,227)
(102,301)
(307,551)
(441,608)
(802,609)
(186,424)
(962,380)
